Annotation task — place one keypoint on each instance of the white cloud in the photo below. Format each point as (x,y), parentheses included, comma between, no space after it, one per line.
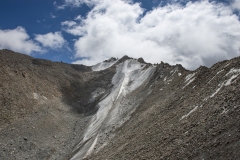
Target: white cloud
(18,40)
(79,18)
(51,40)
(77,3)
(59,7)
(86,62)
(73,28)
(200,33)
(53,16)
(68,23)
(236,4)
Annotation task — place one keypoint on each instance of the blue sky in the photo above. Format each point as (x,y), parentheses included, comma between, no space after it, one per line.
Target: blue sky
(191,33)
(41,17)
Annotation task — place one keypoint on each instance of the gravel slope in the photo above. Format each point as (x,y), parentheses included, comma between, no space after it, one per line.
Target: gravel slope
(47,108)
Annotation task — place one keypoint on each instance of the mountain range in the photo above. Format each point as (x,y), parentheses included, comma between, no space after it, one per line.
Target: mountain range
(118,109)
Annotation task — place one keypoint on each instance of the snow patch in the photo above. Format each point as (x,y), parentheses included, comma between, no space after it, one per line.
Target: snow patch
(205,99)
(103,65)
(45,98)
(225,110)
(230,80)
(189,79)
(236,73)
(173,72)
(179,74)
(216,91)
(38,96)
(227,65)
(35,95)
(232,71)
(189,113)
(215,75)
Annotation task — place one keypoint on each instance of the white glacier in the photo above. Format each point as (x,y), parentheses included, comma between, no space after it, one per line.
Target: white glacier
(113,112)
(103,65)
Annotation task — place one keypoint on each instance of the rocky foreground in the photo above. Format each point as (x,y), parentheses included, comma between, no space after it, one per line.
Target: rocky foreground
(118,109)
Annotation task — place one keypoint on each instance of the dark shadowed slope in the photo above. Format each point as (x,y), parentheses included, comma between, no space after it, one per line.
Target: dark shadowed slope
(44,106)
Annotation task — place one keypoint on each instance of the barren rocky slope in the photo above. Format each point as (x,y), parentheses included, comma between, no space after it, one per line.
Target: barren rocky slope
(188,115)
(44,105)
(131,110)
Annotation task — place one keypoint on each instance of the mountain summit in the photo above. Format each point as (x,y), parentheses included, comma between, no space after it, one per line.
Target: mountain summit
(118,109)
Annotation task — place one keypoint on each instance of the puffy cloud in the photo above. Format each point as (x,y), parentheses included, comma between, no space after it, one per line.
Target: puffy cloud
(75,3)
(72,27)
(86,61)
(18,40)
(68,23)
(199,33)
(51,40)
(236,4)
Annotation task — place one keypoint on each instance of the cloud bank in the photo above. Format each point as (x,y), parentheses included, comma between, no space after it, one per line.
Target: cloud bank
(18,40)
(200,33)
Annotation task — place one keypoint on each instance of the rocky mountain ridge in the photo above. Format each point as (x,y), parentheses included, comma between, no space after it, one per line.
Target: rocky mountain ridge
(123,109)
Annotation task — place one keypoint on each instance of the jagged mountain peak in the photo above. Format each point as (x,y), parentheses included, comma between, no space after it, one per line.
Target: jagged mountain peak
(113,62)
(125,57)
(112,59)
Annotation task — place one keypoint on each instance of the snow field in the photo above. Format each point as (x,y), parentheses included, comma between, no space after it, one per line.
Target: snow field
(113,112)
(103,65)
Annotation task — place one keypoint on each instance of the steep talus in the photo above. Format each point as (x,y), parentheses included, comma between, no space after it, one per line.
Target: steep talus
(188,115)
(118,109)
(44,105)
